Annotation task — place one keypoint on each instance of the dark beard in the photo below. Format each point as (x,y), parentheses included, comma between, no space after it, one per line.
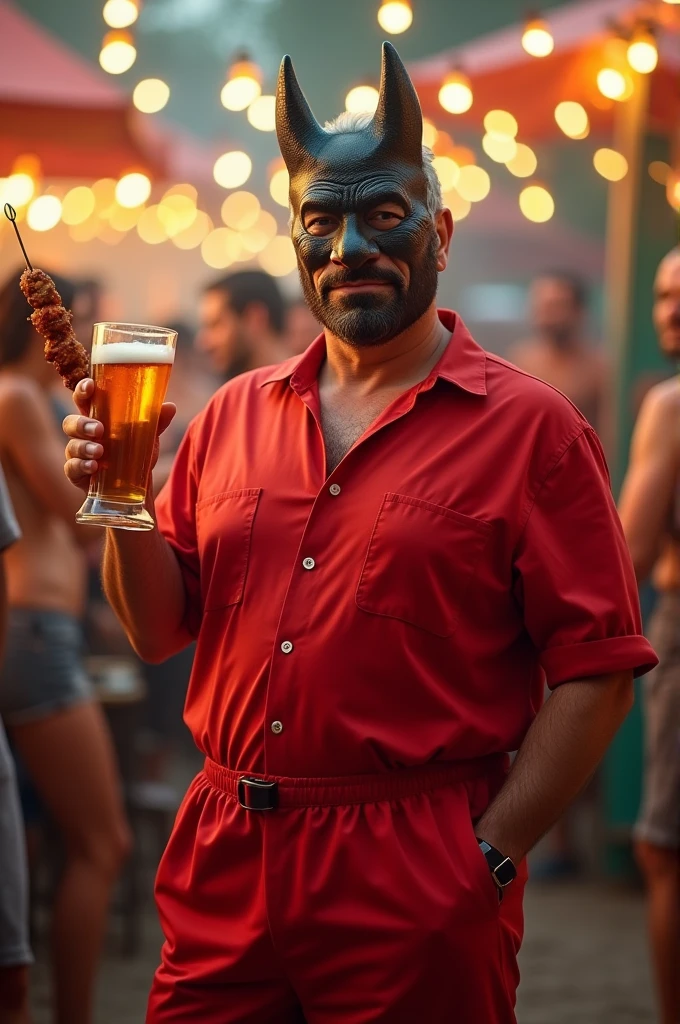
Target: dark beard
(364,319)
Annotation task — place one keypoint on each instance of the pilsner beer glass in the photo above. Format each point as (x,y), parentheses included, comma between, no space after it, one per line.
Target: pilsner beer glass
(131,366)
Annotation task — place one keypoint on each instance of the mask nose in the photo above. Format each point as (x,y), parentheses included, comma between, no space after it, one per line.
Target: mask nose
(352,249)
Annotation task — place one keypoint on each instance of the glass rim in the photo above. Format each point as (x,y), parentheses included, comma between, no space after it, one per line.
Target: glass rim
(132,328)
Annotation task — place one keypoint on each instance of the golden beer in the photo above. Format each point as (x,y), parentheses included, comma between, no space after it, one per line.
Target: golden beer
(131,379)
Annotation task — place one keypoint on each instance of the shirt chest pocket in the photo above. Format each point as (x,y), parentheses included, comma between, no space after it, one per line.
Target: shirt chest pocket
(224,525)
(421,559)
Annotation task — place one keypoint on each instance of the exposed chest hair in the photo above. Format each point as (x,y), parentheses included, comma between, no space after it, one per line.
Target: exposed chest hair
(344,422)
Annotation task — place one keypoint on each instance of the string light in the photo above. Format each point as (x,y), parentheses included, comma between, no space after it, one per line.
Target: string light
(537,39)
(243,86)
(536,203)
(572,118)
(362,99)
(473,183)
(151,95)
(133,189)
(232,169)
(395,16)
(262,113)
(524,162)
(611,164)
(642,53)
(78,204)
(118,52)
(455,94)
(121,13)
(44,213)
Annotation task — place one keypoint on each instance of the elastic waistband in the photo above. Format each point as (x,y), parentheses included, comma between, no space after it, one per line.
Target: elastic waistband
(362,789)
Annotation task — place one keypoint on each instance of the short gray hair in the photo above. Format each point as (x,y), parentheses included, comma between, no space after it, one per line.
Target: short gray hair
(348,122)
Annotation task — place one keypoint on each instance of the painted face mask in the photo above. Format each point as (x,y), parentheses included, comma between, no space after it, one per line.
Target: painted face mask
(345,176)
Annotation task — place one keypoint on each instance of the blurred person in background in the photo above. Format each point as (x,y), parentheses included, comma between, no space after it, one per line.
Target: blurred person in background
(558,351)
(302,327)
(650,512)
(15,953)
(55,723)
(242,323)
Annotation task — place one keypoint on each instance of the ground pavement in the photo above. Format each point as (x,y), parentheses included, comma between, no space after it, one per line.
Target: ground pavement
(584,962)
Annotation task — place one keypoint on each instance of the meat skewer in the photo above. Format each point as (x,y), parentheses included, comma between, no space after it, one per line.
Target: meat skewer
(51,320)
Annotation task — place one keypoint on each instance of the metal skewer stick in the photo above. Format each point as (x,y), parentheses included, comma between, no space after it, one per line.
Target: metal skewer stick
(11,215)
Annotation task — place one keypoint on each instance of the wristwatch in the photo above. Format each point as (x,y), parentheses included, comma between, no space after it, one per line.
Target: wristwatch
(503,871)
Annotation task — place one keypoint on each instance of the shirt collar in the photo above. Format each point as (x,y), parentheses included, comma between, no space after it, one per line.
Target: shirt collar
(463,362)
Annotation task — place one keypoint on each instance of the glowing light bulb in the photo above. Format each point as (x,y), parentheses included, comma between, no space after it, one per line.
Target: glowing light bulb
(536,203)
(118,52)
(232,169)
(395,16)
(77,205)
(279,186)
(642,53)
(243,86)
(121,13)
(133,189)
(611,164)
(362,99)
(44,213)
(262,113)
(455,94)
(537,39)
(473,183)
(151,95)
(524,162)
(572,118)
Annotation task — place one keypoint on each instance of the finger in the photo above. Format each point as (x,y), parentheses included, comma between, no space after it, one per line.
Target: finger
(84,450)
(79,471)
(82,395)
(168,410)
(82,427)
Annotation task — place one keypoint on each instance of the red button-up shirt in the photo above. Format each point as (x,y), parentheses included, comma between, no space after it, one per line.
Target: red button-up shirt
(408,607)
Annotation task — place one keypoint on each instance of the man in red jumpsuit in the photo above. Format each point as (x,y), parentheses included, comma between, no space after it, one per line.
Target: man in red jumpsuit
(382,547)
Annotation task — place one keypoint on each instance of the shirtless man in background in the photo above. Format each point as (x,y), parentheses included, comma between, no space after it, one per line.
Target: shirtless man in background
(557,352)
(650,513)
(53,719)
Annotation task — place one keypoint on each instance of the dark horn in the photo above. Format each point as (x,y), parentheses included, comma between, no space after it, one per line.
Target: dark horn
(300,134)
(398,119)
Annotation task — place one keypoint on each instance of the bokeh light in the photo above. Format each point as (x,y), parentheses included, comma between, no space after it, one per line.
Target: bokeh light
(77,205)
(572,119)
(500,148)
(85,231)
(659,171)
(279,186)
(118,52)
(44,213)
(474,184)
(536,203)
(104,191)
(191,237)
(458,206)
(429,133)
(524,162)
(501,122)
(123,218)
(447,171)
(151,95)
(133,189)
(262,113)
(176,212)
(613,84)
(150,227)
(362,99)
(243,86)
(611,164)
(395,16)
(537,39)
(232,169)
(220,248)
(256,238)
(455,94)
(18,189)
(240,210)
(642,53)
(278,257)
(120,13)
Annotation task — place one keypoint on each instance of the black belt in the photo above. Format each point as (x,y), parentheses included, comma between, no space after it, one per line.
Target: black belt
(257,795)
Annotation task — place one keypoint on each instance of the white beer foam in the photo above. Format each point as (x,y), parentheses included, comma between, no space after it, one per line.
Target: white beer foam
(132,352)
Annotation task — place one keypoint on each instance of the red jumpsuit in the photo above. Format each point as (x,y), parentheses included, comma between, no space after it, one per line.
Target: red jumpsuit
(375,640)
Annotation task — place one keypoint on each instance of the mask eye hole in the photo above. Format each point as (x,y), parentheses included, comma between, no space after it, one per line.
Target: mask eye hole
(320,224)
(385,216)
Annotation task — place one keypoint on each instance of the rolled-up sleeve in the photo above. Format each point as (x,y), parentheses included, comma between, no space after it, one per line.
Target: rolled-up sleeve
(176,520)
(574,577)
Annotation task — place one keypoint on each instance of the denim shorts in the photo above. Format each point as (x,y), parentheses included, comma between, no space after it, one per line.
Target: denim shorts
(42,672)
(14,947)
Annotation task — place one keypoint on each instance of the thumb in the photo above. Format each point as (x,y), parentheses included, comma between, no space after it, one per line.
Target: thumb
(82,396)
(168,411)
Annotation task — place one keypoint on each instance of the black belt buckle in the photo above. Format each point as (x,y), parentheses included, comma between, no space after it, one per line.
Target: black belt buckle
(257,795)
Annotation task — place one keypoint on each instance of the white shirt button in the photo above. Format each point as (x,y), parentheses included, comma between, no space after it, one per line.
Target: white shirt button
(277,727)
(286,647)
(335,489)
(308,563)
